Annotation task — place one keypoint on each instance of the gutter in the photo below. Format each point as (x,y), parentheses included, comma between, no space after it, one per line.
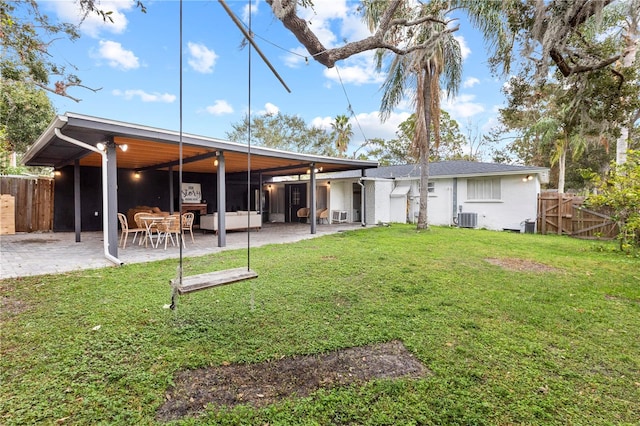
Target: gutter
(105,200)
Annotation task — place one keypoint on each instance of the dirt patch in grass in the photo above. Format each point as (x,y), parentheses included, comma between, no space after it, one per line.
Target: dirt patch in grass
(521,265)
(9,305)
(269,382)
(621,299)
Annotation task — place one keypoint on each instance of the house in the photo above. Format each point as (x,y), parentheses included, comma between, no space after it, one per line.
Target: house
(461,193)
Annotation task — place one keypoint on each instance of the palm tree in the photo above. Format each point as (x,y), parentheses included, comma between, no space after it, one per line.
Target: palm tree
(342,133)
(420,72)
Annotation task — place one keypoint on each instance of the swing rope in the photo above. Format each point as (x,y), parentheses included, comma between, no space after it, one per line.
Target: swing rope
(249,148)
(181,284)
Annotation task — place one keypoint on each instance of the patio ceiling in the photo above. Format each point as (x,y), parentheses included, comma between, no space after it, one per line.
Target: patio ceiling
(158,149)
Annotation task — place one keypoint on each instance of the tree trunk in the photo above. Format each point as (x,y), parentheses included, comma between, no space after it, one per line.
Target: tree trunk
(423,220)
(424,148)
(622,145)
(562,164)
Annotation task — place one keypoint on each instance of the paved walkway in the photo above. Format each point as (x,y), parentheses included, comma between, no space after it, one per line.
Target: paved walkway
(26,254)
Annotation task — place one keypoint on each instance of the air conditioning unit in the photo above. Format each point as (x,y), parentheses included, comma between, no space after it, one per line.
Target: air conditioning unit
(467,220)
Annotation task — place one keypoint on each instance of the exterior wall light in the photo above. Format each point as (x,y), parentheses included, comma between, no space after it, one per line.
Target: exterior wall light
(136,175)
(102,146)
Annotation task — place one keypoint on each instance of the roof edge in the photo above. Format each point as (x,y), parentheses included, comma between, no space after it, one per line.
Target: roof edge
(57,123)
(217,143)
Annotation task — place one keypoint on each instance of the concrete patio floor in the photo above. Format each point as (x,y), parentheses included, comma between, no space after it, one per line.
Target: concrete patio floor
(27,254)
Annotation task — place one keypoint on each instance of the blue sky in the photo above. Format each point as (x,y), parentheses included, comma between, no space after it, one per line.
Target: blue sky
(135,61)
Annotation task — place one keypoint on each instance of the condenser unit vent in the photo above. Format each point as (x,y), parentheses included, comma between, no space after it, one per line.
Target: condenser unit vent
(467,220)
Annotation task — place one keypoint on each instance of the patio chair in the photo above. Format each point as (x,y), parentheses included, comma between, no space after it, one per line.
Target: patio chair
(323,215)
(125,230)
(167,228)
(187,223)
(303,214)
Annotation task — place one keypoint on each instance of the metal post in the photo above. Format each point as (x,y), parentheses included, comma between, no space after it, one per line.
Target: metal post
(171,206)
(111,209)
(222,203)
(312,215)
(77,207)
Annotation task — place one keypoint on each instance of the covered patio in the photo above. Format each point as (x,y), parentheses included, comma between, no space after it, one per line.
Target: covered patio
(80,145)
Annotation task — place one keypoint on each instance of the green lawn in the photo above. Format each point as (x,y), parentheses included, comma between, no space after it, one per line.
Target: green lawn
(504,347)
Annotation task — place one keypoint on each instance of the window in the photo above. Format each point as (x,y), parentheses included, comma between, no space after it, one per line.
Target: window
(483,189)
(295,196)
(431,187)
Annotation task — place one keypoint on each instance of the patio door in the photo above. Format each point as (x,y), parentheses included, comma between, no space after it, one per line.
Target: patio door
(296,198)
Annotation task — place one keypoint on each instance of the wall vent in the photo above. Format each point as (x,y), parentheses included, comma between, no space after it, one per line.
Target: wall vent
(467,220)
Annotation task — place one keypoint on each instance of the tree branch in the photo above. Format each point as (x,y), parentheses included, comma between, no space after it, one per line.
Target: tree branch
(566,70)
(61,88)
(285,11)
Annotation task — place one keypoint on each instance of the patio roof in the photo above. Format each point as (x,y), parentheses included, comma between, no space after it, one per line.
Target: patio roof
(152,148)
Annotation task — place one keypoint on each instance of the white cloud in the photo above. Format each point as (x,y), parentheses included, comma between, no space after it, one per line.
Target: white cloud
(355,70)
(144,96)
(270,108)
(370,123)
(296,57)
(116,55)
(470,82)
(464,48)
(462,106)
(373,127)
(202,59)
(93,24)
(490,124)
(320,17)
(219,107)
(254,10)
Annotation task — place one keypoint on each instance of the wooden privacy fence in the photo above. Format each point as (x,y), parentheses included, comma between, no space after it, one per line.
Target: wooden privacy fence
(33,202)
(565,214)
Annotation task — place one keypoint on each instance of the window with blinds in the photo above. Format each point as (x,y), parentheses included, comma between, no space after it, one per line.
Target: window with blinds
(483,189)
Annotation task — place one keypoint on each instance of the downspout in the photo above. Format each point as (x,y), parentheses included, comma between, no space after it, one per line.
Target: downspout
(105,199)
(454,207)
(363,221)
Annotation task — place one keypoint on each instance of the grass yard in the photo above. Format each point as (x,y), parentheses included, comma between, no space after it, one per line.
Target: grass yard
(513,329)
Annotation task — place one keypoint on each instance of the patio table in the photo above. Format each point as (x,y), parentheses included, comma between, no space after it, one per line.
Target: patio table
(149,223)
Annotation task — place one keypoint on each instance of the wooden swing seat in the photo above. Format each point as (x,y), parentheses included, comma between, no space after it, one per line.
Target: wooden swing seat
(213,279)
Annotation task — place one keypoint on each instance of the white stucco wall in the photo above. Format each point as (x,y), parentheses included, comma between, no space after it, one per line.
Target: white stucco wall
(341,197)
(382,201)
(518,202)
(440,205)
